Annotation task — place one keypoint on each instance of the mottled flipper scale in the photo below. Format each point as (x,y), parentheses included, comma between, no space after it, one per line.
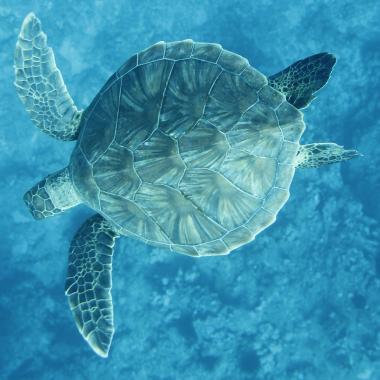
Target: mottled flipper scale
(319,154)
(40,86)
(302,79)
(88,284)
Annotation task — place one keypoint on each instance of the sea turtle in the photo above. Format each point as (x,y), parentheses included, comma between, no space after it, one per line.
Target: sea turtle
(186,147)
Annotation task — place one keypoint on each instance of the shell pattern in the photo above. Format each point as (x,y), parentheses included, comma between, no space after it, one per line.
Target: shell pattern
(186,146)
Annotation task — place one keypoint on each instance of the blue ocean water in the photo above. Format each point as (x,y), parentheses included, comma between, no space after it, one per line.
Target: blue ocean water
(299,303)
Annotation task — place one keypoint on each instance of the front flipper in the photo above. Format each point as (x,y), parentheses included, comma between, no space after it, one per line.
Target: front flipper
(319,154)
(302,79)
(88,284)
(40,86)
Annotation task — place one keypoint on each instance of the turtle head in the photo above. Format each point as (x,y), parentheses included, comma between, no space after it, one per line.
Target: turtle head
(38,201)
(51,196)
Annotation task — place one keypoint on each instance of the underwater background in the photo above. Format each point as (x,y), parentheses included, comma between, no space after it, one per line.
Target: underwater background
(301,302)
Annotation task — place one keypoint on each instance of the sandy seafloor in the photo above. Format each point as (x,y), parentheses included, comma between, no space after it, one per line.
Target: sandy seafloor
(300,302)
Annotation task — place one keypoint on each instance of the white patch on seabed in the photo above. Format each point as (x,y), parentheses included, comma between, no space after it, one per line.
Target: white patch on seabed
(365,374)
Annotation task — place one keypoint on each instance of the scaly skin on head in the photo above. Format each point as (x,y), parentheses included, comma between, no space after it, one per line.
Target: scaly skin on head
(51,196)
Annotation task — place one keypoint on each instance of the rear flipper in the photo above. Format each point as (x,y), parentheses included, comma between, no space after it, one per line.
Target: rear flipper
(302,79)
(319,154)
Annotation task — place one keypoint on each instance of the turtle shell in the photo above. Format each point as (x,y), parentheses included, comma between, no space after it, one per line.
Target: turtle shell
(186,146)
